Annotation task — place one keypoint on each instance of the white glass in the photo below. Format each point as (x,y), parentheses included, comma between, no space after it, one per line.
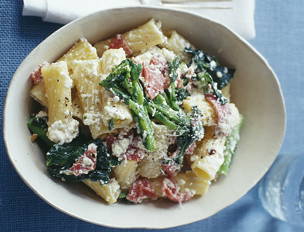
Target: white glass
(282,189)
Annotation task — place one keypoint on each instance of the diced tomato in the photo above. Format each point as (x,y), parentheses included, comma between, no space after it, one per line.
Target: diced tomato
(173,193)
(141,189)
(36,76)
(85,163)
(119,42)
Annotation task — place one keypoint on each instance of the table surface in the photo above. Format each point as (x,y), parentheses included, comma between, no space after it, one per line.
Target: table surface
(279,38)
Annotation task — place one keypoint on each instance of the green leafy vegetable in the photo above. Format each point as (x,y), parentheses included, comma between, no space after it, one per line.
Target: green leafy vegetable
(173,66)
(124,82)
(222,76)
(111,124)
(181,94)
(205,63)
(230,148)
(38,125)
(62,157)
(171,93)
(122,195)
(105,163)
(204,81)
(192,133)
(123,198)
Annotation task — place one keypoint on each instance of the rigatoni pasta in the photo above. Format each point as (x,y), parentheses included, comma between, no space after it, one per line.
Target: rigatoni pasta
(110,59)
(85,76)
(177,43)
(126,173)
(109,192)
(62,127)
(81,50)
(135,41)
(58,91)
(38,93)
(112,109)
(143,115)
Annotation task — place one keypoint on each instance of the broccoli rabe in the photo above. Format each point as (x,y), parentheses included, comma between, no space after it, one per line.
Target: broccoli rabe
(124,82)
(61,157)
(164,108)
(181,94)
(205,63)
(193,132)
(205,82)
(111,124)
(173,66)
(171,91)
(230,148)
(38,126)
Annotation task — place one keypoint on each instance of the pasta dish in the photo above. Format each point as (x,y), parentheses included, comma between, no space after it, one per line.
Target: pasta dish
(142,115)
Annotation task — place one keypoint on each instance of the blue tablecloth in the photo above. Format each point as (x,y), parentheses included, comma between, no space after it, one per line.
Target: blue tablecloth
(279,38)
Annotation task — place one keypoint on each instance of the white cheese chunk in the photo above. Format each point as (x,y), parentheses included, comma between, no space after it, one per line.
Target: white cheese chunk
(41,114)
(120,146)
(63,131)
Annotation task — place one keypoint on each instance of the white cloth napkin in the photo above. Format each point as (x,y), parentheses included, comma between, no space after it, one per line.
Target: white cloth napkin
(239,18)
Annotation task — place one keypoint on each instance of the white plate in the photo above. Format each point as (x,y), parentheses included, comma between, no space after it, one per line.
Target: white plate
(255,90)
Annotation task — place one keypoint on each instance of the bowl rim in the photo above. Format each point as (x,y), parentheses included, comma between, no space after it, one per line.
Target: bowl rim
(244,42)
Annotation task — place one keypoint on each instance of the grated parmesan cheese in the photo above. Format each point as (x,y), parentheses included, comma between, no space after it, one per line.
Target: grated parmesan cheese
(91,118)
(117,112)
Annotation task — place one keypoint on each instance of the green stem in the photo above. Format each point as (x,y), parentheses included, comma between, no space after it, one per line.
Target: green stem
(144,124)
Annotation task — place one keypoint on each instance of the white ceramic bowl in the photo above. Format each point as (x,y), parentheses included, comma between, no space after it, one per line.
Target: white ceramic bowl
(255,90)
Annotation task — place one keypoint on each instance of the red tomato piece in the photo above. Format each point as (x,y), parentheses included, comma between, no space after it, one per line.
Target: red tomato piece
(173,193)
(141,189)
(119,42)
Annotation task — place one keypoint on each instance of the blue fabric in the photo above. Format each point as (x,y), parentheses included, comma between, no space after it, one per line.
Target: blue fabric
(280,35)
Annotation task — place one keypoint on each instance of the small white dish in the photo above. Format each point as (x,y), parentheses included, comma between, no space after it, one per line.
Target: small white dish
(255,90)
